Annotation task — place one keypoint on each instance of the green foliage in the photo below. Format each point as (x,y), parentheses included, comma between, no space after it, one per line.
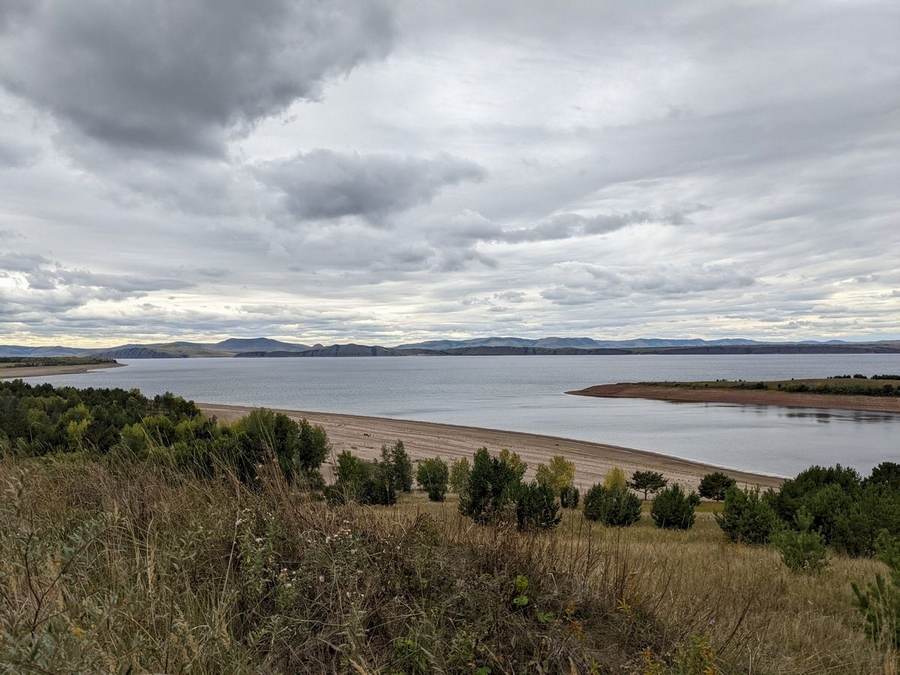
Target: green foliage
(569,497)
(515,464)
(366,482)
(849,513)
(648,482)
(459,475)
(433,475)
(299,447)
(615,479)
(673,508)
(492,485)
(616,506)
(802,549)
(397,460)
(715,485)
(886,473)
(747,517)
(879,601)
(557,475)
(536,507)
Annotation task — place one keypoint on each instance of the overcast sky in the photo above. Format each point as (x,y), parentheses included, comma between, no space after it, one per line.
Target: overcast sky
(385,172)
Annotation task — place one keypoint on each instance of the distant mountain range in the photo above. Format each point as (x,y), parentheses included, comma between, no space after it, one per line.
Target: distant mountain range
(269,348)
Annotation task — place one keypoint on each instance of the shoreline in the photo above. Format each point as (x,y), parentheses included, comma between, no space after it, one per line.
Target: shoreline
(880,404)
(14,372)
(364,436)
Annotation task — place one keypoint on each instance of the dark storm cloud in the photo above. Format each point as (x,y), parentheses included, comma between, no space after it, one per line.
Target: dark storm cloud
(323,184)
(179,76)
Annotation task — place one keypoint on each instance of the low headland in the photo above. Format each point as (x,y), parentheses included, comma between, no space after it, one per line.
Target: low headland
(16,367)
(880,393)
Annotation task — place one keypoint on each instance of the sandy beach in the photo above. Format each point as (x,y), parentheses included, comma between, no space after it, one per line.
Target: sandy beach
(364,436)
(887,404)
(13,372)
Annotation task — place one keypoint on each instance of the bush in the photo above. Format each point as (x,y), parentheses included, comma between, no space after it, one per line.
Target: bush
(362,481)
(557,475)
(459,475)
(846,511)
(615,506)
(433,475)
(674,509)
(492,485)
(647,482)
(879,602)
(397,461)
(715,485)
(802,550)
(569,496)
(747,518)
(536,507)
(886,473)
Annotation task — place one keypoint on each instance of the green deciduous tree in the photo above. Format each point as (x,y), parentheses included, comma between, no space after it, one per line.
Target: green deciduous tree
(433,475)
(557,475)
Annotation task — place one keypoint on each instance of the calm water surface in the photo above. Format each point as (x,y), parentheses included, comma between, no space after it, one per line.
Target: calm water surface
(525,393)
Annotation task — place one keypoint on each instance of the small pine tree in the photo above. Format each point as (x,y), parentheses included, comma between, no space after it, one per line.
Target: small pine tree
(879,602)
(397,460)
(803,549)
(536,507)
(569,496)
(615,506)
(674,509)
(432,475)
(647,482)
(492,484)
(715,485)
(747,518)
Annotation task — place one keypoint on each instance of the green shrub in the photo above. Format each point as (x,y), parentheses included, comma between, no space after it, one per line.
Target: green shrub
(846,511)
(459,475)
(492,485)
(366,482)
(886,473)
(615,506)
(715,485)
(879,602)
(674,509)
(536,507)
(648,482)
(802,549)
(569,496)
(433,475)
(397,462)
(747,518)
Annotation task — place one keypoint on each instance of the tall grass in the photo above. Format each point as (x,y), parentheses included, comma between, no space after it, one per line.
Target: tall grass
(106,566)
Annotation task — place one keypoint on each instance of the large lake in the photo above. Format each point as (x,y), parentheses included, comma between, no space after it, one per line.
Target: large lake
(525,393)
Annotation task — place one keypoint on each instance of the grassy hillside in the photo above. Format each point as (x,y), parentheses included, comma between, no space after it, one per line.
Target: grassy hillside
(138,535)
(106,564)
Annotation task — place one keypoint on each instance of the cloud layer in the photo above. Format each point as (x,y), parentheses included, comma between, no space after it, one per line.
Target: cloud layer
(384,172)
